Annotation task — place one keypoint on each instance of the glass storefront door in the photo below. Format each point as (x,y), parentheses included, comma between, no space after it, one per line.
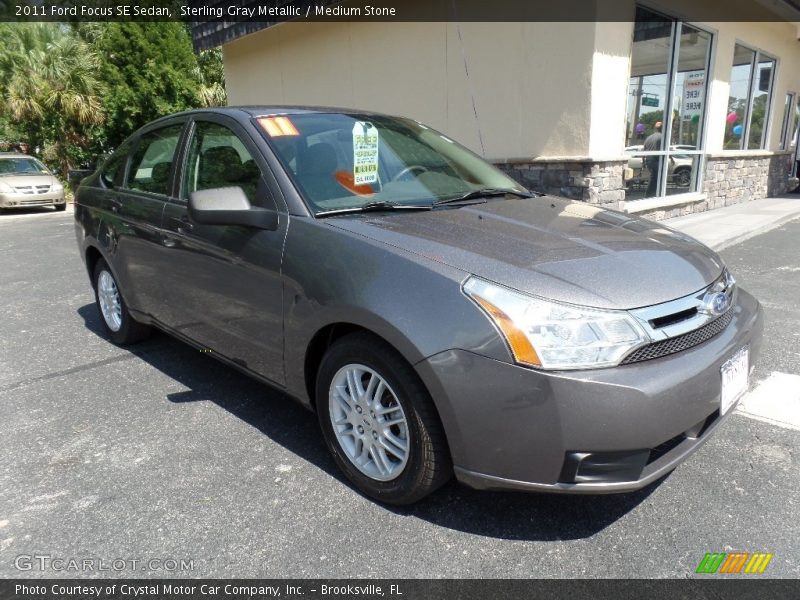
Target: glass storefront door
(666,105)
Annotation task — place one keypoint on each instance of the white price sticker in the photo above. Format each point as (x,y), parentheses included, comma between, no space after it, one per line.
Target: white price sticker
(365,153)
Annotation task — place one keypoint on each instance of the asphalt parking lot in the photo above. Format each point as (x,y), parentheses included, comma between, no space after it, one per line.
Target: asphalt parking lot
(159,452)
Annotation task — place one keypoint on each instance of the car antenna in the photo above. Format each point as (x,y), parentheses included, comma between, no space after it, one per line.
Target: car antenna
(469,81)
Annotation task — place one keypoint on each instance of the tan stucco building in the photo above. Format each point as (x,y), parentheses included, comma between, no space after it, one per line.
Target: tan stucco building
(565,107)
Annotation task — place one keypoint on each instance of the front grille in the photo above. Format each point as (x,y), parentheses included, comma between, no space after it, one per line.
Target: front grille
(681,342)
(32,189)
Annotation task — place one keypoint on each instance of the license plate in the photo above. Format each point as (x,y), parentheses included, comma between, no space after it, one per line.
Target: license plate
(734,373)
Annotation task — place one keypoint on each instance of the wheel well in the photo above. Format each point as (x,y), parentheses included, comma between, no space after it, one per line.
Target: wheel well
(92,256)
(321,341)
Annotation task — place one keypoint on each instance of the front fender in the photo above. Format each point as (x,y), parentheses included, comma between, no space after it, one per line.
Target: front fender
(415,304)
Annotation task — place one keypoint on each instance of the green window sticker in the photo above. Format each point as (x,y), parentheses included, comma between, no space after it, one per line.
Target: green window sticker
(365,153)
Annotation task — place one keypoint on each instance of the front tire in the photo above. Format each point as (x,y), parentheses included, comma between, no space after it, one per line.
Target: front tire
(683,177)
(379,421)
(61,207)
(117,321)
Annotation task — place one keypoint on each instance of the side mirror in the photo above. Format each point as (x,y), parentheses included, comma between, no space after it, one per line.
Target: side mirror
(75,176)
(229,206)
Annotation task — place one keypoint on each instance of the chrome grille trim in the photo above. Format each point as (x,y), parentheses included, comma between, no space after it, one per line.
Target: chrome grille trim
(696,302)
(32,189)
(689,321)
(681,342)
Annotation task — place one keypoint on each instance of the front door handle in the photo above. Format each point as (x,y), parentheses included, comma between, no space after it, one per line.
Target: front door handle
(116,204)
(182,225)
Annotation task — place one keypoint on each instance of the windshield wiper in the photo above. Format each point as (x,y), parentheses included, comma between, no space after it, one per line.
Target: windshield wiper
(376,206)
(484,193)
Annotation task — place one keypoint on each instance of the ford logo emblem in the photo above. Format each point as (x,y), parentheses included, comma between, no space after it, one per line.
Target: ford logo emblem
(717,303)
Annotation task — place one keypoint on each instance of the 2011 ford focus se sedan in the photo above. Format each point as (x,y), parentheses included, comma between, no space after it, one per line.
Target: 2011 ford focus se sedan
(439,318)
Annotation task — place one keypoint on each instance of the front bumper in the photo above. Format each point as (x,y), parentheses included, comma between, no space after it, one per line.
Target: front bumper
(18,200)
(596,431)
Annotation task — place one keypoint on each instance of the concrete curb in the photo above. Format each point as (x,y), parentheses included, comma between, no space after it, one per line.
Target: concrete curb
(741,237)
(724,227)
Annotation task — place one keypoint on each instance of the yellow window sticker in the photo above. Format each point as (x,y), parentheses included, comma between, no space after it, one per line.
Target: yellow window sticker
(278,126)
(365,153)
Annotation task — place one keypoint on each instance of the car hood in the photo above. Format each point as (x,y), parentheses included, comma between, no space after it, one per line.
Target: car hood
(26,180)
(553,248)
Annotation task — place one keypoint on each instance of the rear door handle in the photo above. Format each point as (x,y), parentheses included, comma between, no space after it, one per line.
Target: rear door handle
(116,204)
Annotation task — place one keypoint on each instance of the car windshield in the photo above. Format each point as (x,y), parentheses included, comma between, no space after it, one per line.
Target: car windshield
(22,165)
(352,161)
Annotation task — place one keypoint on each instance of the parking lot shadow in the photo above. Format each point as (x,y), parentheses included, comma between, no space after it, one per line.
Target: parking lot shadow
(514,516)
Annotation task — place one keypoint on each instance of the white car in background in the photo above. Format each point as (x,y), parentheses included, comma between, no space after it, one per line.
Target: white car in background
(680,165)
(25,182)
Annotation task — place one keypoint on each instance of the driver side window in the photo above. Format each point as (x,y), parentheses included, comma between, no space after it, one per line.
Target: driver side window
(217,158)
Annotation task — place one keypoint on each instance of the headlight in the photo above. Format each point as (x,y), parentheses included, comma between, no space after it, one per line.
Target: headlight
(57,187)
(550,335)
(5,188)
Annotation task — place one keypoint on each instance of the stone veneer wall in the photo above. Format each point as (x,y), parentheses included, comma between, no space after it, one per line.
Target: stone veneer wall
(729,179)
(740,178)
(596,182)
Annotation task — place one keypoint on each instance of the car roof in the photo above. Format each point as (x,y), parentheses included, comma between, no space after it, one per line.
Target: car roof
(250,111)
(14,155)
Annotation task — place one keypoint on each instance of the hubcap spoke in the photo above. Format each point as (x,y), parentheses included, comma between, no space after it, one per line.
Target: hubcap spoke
(395,421)
(400,444)
(369,422)
(398,452)
(385,410)
(375,399)
(344,400)
(354,384)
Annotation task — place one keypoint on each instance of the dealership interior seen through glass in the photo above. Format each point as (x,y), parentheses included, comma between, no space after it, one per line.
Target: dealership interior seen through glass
(666,105)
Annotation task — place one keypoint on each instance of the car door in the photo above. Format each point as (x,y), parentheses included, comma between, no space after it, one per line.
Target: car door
(135,204)
(224,288)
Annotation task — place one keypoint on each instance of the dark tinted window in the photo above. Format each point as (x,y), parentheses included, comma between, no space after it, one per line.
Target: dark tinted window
(152,161)
(218,158)
(113,170)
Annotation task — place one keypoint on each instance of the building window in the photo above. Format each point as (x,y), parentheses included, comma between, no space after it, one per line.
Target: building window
(787,123)
(747,119)
(794,141)
(666,105)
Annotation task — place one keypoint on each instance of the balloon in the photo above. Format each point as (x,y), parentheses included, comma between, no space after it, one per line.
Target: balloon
(640,128)
(732,118)
(737,130)
(695,119)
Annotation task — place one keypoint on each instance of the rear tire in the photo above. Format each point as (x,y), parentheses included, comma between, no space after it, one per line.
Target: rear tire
(119,325)
(388,439)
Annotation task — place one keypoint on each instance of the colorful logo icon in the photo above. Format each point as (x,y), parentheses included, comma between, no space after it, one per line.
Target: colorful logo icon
(734,562)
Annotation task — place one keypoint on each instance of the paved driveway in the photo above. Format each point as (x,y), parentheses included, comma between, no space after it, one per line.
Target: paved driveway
(159,452)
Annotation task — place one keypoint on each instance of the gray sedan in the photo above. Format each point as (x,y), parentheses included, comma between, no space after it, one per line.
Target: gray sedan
(439,318)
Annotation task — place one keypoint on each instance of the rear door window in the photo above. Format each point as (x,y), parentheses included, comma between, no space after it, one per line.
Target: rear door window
(151,163)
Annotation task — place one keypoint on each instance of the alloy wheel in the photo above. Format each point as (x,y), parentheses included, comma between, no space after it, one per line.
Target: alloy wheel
(110,301)
(369,422)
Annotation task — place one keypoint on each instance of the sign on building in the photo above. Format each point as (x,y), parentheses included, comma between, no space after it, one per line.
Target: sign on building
(694,86)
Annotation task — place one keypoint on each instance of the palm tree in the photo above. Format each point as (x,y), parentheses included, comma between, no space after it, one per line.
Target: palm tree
(210,75)
(49,87)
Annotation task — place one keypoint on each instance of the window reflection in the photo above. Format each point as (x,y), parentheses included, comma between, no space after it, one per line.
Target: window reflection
(751,80)
(664,130)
